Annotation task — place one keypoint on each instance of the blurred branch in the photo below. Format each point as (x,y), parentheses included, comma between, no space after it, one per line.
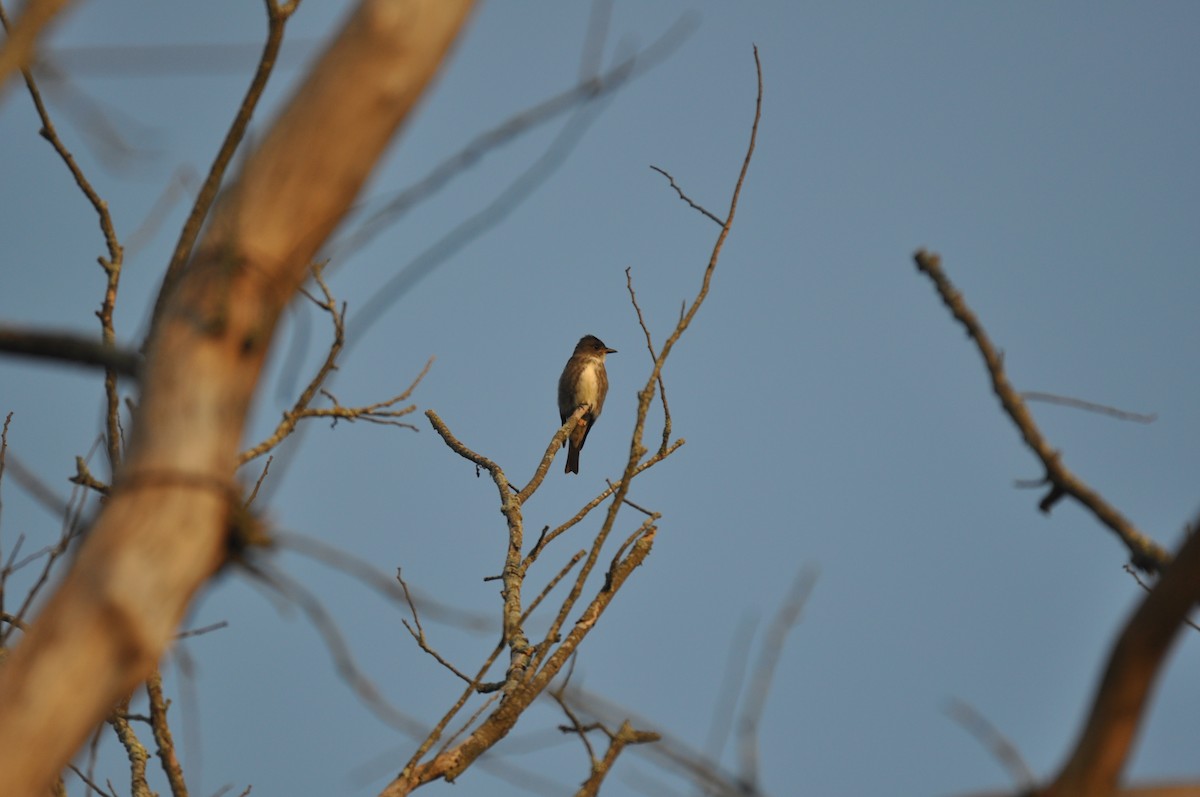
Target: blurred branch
(382,583)
(71,515)
(1099,757)
(987,735)
(760,682)
(1146,554)
(18,48)
(732,681)
(343,659)
(512,196)
(589,89)
(70,348)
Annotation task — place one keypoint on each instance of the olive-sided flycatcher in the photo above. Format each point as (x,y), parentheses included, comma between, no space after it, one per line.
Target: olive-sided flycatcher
(583,381)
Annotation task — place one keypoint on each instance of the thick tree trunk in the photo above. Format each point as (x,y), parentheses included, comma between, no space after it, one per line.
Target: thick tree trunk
(163,532)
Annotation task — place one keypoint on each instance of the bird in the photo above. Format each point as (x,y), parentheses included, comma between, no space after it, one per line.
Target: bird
(583,381)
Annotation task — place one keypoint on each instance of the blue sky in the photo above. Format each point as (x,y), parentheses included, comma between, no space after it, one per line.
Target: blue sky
(835,416)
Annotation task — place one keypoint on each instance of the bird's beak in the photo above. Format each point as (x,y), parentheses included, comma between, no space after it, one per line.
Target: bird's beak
(610,351)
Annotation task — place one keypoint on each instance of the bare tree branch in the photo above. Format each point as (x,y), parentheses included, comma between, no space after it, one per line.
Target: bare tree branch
(1146,553)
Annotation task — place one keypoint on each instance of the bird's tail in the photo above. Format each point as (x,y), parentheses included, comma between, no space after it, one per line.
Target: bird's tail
(572,459)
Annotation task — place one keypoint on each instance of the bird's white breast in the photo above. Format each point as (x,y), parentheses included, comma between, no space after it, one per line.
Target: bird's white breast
(587,390)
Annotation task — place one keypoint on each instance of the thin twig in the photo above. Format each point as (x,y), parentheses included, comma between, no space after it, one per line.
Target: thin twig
(89,782)
(548,537)
(72,527)
(419,633)
(1090,406)
(1147,587)
(552,583)
(576,727)
(686,198)
(662,387)
(259,482)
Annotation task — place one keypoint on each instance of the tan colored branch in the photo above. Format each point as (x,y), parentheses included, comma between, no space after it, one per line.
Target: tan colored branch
(163,739)
(624,736)
(162,533)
